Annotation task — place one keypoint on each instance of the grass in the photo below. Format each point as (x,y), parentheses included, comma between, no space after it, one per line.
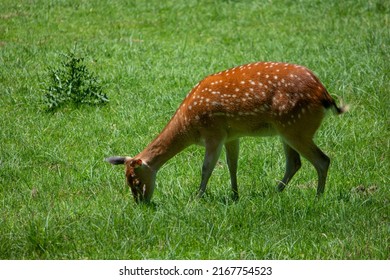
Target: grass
(60,200)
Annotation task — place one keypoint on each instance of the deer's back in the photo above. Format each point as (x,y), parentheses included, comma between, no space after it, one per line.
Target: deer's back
(256,98)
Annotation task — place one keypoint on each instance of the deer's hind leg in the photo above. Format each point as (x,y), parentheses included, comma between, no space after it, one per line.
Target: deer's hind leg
(293,163)
(306,148)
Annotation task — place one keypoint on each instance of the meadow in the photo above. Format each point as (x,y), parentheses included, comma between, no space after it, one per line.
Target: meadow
(59,199)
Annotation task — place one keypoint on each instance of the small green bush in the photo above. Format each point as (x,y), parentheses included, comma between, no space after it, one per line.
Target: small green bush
(71,82)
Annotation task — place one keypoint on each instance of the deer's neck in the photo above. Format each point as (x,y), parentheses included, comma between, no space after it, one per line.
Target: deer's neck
(171,141)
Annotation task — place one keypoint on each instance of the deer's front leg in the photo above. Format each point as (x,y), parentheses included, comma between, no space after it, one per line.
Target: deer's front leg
(213,151)
(232,151)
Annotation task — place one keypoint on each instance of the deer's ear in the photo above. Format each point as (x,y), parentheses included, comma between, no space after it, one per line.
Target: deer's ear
(117,160)
(135,163)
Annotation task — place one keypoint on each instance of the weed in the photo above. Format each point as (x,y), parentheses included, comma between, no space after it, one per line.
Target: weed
(72,82)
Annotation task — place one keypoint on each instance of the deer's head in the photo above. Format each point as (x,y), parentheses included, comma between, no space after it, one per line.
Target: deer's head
(139,176)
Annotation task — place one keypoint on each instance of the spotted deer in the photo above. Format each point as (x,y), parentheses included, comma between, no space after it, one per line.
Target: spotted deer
(257,99)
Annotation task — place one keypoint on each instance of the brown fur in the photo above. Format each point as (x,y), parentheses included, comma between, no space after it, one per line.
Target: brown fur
(256,99)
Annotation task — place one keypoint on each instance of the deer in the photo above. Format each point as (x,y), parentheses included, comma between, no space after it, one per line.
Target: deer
(255,99)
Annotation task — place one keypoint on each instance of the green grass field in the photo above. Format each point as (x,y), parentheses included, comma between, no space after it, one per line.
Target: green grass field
(60,200)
